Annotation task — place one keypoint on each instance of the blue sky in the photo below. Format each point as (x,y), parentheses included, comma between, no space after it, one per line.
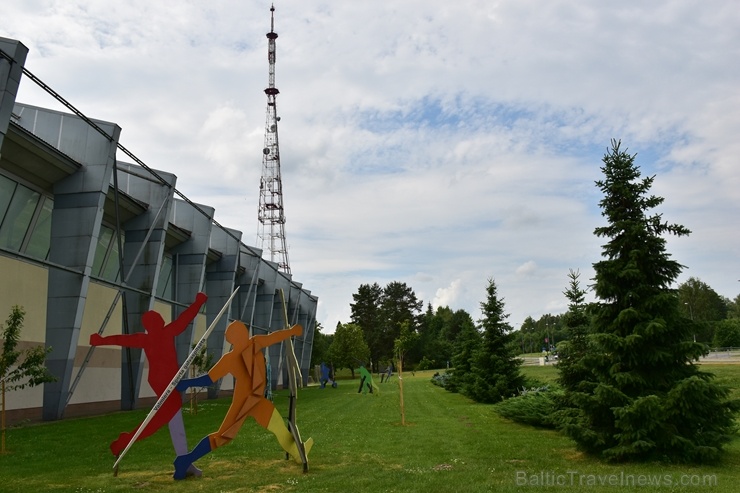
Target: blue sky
(429,142)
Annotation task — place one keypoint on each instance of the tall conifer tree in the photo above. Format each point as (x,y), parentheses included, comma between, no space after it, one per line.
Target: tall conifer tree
(649,400)
(465,347)
(495,367)
(571,370)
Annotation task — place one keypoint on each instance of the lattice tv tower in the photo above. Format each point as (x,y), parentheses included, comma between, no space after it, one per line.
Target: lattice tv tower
(271,214)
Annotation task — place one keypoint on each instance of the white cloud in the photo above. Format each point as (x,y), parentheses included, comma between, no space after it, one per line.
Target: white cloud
(426,142)
(527,268)
(447,296)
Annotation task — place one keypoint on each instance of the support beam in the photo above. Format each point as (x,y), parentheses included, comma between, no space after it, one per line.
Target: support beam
(308,318)
(265,314)
(79,201)
(280,365)
(10,78)
(147,231)
(250,261)
(220,281)
(189,264)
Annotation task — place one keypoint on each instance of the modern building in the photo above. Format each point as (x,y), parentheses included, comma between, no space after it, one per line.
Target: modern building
(89,242)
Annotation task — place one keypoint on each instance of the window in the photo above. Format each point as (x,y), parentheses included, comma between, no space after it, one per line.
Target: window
(25,227)
(165,283)
(17,214)
(111,271)
(106,261)
(7,187)
(40,237)
(101,250)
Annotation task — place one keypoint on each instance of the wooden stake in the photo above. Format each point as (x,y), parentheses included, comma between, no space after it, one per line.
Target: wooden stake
(400,388)
(2,449)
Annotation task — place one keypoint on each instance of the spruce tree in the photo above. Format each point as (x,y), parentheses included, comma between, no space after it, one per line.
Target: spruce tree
(571,369)
(465,347)
(648,400)
(495,367)
(573,374)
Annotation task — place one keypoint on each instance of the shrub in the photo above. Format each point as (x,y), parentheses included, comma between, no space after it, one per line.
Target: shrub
(424,364)
(533,406)
(441,380)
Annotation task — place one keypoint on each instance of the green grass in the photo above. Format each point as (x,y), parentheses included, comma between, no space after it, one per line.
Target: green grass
(449,445)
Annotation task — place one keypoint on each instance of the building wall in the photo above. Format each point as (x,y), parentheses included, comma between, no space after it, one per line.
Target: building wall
(24,284)
(101,381)
(48,198)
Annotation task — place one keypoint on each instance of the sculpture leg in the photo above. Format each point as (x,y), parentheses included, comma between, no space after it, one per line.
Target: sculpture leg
(183,462)
(120,443)
(179,440)
(170,407)
(285,437)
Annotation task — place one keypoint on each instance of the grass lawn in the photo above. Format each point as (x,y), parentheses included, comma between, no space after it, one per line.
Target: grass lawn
(449,445)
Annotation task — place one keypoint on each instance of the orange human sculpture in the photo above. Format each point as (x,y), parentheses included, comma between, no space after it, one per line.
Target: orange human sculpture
(158,343)
(246,363)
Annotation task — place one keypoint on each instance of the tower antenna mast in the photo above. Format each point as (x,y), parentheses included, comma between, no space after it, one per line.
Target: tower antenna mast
(271,213)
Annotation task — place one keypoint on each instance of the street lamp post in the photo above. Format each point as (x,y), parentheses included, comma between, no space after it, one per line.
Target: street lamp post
(691,312)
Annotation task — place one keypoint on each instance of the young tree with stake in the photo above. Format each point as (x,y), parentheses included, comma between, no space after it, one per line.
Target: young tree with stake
(19,369)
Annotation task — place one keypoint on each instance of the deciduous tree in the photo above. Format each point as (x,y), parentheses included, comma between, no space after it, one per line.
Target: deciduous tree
(727,333)
(320,347)
(380,313)
(399,305)
(699,302)
(348,349)
(733,308)
(366,314)
(432,347)
(19,369)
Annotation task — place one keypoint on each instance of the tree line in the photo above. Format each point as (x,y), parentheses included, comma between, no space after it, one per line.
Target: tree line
(629,386)
(715,320)
(378,313)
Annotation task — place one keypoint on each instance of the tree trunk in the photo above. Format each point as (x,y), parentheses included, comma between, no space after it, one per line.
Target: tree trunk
(193,394)
(2,447)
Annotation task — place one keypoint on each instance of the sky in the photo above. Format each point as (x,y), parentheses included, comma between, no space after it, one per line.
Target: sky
(435,143)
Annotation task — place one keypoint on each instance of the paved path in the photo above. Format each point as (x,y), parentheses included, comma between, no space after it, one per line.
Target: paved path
(720,357)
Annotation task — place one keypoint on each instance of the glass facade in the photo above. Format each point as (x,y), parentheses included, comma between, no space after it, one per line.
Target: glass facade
(39,239)
(20,211)
(25,227)
(7,187)
(165,284)
(106,261)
